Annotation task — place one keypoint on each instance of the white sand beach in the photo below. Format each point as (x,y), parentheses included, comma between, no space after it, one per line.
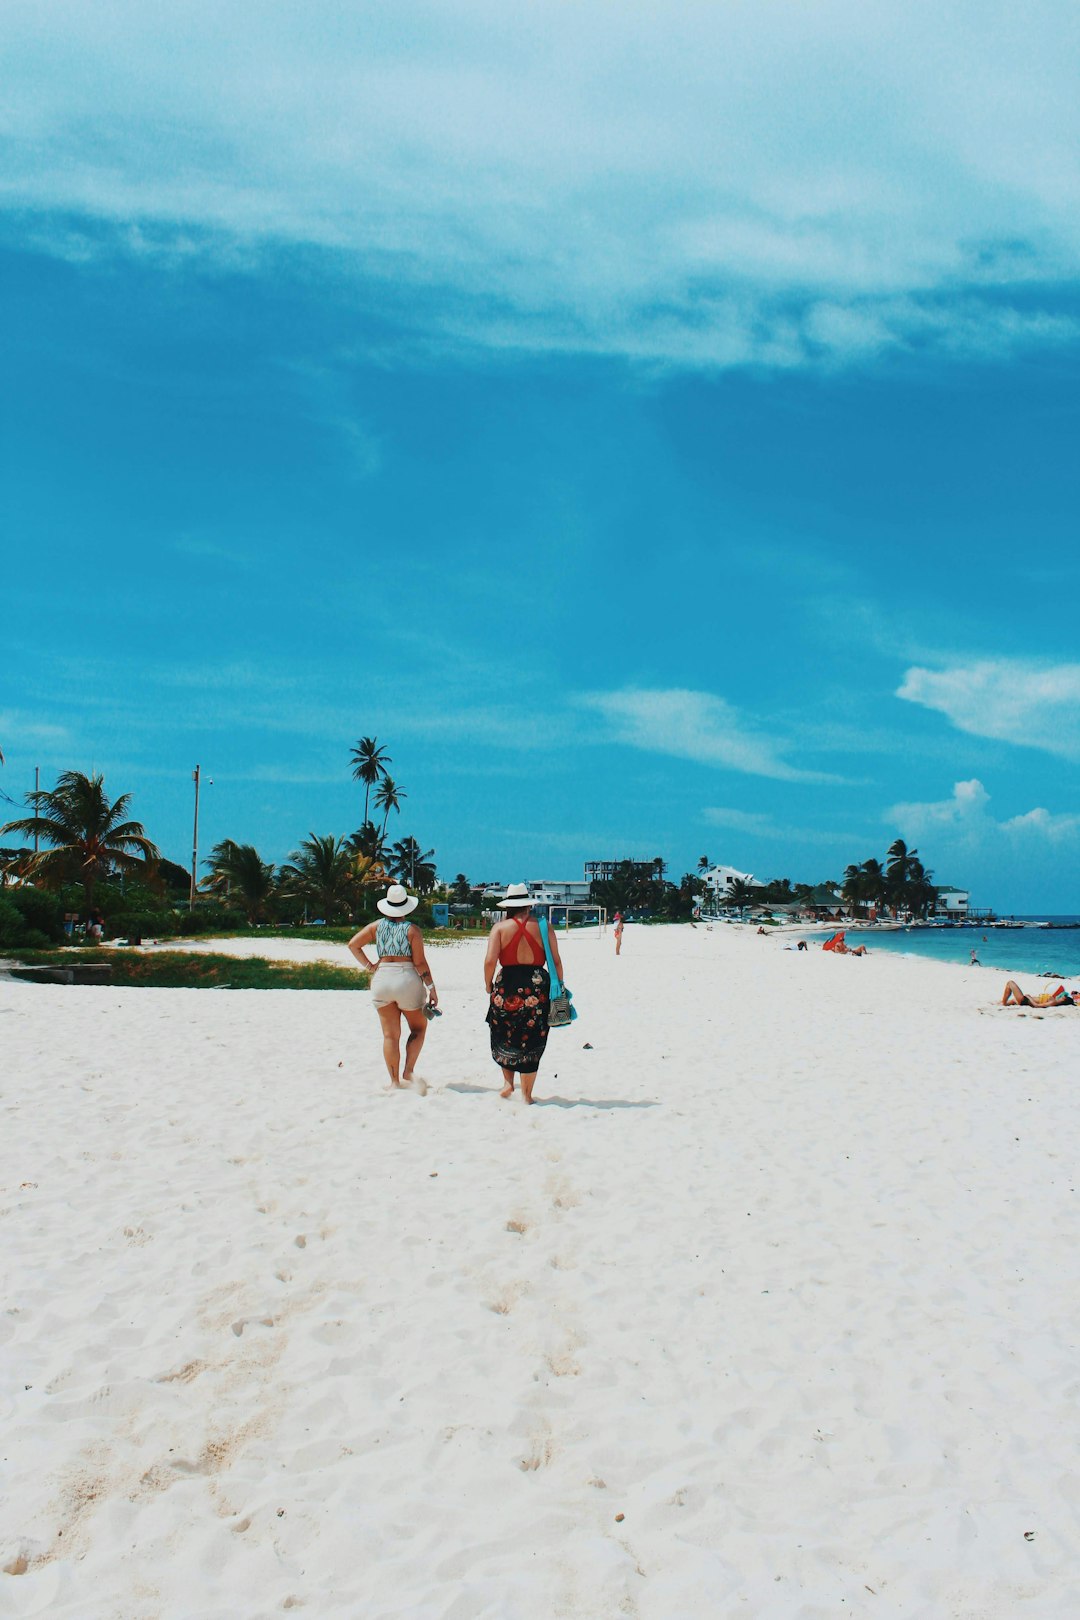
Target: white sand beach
(768,1309)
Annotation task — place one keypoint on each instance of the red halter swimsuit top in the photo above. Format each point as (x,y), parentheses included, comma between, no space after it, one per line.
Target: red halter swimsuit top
(508,957)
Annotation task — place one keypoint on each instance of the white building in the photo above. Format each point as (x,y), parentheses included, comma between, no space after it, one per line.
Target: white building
(718,880)
(951,902)
(550,892)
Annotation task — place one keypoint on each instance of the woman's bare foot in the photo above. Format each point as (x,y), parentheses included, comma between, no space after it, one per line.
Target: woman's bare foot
(418,1083)
(507,1091)
(527,1083)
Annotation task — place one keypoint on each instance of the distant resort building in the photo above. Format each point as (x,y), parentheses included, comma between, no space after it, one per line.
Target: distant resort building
(718,880)
(951,902)
(604,871)
(548,892)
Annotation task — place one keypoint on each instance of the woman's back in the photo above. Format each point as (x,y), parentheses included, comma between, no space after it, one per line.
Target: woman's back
(520,943)
(392,937)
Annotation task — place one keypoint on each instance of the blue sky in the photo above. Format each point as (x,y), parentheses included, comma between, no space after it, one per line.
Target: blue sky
(659,430)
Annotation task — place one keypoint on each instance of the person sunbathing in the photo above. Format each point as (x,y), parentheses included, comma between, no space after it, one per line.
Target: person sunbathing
(1015,997)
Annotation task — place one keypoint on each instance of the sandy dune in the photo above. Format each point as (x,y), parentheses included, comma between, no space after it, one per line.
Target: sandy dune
(770,1310)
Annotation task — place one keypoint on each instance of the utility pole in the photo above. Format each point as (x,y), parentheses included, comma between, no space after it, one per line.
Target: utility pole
(194,842)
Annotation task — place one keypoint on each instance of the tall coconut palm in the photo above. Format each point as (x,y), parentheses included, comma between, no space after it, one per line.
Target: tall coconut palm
(703,863)
(901,864)
(370,854)
(368,842)
(369,763)
(413,865)
(88,836)
(239,873)
(388,796)
(322,873)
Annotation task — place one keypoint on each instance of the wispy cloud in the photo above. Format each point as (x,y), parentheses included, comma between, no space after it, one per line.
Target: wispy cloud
(966,816)
(701,185)
(1011,700)
(697,726)
(756,824)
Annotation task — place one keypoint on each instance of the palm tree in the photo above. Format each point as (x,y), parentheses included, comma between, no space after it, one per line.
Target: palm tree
(322,873)
(370,854)
(388,796)
(413,865)
(741,894)
(238,872)
(921,893)
(900,868)
(369,763)
(875,883)
(367,841)
(89,836)
(852,889)
(460,889)
(703,863)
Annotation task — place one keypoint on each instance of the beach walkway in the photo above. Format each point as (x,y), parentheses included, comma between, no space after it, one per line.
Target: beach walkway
(769,1308)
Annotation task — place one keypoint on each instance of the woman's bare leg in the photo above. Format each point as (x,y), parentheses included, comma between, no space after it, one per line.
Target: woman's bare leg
(390,1019)
(508,1088)
(1013,992)
(527,1083)
(418,1027)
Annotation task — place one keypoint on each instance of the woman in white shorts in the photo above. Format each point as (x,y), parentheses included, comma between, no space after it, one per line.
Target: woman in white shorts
(401,984)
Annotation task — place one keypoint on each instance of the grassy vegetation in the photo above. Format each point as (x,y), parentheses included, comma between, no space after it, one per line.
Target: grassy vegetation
(335,935)
(199,970)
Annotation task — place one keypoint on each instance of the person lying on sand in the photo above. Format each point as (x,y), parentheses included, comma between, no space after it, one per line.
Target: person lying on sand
(1060,997)
(837,945)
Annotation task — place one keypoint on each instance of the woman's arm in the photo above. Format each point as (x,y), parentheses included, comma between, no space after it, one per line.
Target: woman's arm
(366,936)
(420,962)
(491,958)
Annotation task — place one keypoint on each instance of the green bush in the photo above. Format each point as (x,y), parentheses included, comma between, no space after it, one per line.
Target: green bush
(12,926)
(36,911)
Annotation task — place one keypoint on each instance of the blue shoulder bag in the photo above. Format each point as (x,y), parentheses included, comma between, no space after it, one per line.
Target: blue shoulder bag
(563,1011)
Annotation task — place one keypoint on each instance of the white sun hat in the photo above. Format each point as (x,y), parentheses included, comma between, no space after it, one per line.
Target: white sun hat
(517,894)
(398,902)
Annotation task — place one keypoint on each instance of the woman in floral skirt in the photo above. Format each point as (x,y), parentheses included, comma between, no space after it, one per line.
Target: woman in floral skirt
(521,994)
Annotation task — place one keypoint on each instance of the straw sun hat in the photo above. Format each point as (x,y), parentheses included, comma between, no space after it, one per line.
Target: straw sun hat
(517,894)
(398,902)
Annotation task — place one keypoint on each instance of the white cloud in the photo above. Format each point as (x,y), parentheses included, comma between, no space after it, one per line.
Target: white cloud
(1012,700)
(964,818)
(756,824)
(697,726)
(692,184)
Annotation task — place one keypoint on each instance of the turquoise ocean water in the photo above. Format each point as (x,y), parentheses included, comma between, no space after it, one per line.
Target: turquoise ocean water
(1014,951)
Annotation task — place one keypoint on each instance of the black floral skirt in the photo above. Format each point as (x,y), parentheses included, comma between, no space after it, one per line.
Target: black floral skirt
(518,1017)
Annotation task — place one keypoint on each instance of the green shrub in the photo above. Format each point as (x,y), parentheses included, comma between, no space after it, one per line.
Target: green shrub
(12,926)
(36,910)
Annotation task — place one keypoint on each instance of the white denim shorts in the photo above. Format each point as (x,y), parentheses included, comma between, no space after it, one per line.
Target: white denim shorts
(400,982)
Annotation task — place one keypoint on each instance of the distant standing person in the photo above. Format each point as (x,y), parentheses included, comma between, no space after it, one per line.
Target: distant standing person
(520,994)
(975,957)
(401,984)
(618,933)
